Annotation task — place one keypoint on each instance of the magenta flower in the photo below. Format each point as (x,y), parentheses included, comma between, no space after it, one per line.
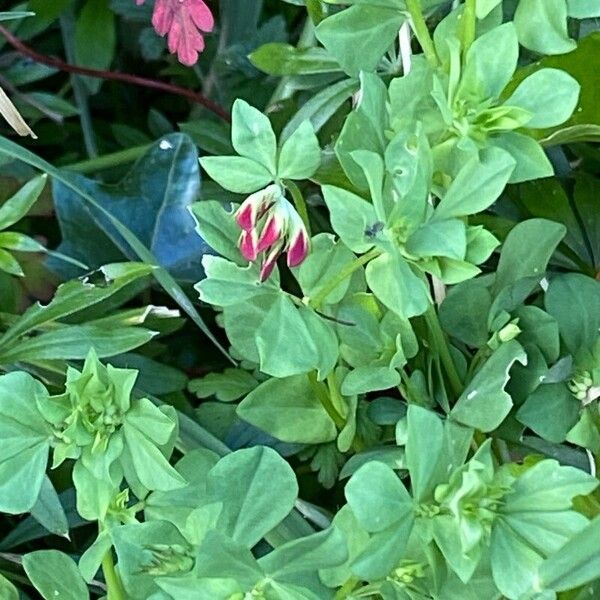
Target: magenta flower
(183,22)
(271,226)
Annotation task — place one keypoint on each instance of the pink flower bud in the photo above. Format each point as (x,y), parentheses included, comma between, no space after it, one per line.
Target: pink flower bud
(297,249)
(269,263)
(271,232)
(255,206)
(248,245)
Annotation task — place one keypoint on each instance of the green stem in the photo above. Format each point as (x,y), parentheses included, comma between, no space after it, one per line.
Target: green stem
(324,398)
(346,272)
(422,32)
(114,586)
(469,23)
(107,161)
(347,588)
(440,343)
(299,202)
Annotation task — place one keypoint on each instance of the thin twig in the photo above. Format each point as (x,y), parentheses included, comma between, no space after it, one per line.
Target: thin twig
(115,76)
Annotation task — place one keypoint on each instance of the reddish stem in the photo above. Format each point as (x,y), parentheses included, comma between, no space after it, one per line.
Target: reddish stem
(115,76)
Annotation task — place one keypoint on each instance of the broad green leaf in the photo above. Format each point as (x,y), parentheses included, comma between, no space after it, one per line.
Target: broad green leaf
(394,283)
(550,95)
(583,9)
(477,185)
(252,136)
(217,227)
(263,496)
(55,575)
(377,497)
(300,155)
(369,379)
(16,207)
(484,73)
(325,261)
(351,216)
(289,410)
(542,26)
(7,590)
(284,342)
(237,173)
(531,160)
(576,563)
(574,301)
(359,36)
(423,447)
(48,510)
(321,107)
(25,442)
(439,238)
(95,39)
(484,404)
(226,283)
(283,59)
(527,250)
(230,385)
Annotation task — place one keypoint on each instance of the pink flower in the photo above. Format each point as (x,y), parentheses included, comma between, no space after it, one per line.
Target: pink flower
(271,226)
(183,22)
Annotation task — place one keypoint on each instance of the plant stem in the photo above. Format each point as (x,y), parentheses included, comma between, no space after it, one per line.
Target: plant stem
(324,398)
(440,343)
(114,586)
(299,202)
(347,589)
(107,161)
(469,24)
(346,272)
(421,31)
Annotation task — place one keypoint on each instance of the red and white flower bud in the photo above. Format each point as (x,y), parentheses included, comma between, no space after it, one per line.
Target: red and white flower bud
(271,226)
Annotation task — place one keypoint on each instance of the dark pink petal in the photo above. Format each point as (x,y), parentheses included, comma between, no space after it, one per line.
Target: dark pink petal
(246,216)
(298,249)
(201,16)
(269,263)
(248,245)
(270,234)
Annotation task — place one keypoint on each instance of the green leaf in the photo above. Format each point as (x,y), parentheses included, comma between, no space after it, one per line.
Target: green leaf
(289,410)
(95,39)
(484,404)
(9,264)
(16,207)
(574,301)
(351,216)
(477,185)
(7,590)
(300,155)
(576,563)
(325,261)
(237,173)
(25,442)
(359,36)
(439,238)
(228,386)
(75,341)
(75,296)
(369,379)
(48,510)
(377,497)
(283,59)
(542,26)
(55,575)
(252,136)
(425,441)
(531,160)
(550,95)
(527,250)
(263,496)
(483,72)
(394,283)
(583,9)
